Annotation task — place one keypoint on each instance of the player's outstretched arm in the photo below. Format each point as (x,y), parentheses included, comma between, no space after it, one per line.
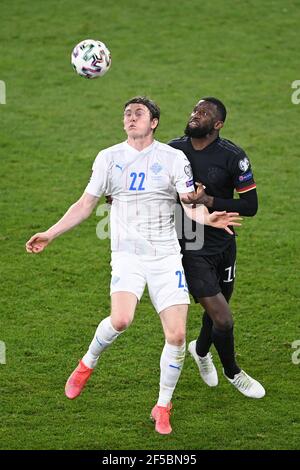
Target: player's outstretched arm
(200,214)
(76,214)
(223,220)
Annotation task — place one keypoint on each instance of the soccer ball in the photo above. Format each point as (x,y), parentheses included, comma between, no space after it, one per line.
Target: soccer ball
(90,59)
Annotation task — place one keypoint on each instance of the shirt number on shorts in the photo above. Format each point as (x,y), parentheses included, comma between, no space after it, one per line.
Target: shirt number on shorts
(134,177)
(231,273)
(181,280)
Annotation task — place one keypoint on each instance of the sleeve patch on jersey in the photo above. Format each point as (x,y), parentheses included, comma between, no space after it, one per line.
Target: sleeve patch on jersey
(189,183)
(246,176)
(188,170)
(244,164)
(247,188)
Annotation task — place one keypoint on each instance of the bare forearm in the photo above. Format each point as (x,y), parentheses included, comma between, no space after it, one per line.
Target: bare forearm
(221,220)
(76,214)
(198,213)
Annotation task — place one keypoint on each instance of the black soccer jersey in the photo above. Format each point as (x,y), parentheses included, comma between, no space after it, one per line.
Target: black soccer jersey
(222,167)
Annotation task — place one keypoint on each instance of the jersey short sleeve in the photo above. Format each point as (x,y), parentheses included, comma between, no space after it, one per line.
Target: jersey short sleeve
(98,183)
(243,178)
(183,174)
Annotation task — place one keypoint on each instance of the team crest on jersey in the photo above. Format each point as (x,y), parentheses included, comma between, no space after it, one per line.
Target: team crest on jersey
(244,164)
(215,174)
(156,168)
(188,171)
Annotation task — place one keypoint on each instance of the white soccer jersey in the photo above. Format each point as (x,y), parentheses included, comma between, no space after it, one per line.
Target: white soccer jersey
(144,187)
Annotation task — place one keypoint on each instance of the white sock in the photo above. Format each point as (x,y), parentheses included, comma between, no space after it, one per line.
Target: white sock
(171,363)
(104,336)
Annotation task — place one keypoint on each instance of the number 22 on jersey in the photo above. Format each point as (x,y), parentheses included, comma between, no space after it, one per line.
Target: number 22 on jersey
(137,181)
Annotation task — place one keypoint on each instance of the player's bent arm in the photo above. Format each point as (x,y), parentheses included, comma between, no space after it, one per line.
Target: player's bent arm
(217,219)
(76,214)
(247,205)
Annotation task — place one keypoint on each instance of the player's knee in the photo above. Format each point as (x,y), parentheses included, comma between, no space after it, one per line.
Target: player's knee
(223,323)
(121,323)
(177,338)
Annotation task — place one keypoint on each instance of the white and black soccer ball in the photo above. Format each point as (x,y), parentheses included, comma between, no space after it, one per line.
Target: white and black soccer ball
(91,59)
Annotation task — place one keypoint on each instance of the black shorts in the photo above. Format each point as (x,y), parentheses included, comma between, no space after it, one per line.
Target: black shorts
(208,275)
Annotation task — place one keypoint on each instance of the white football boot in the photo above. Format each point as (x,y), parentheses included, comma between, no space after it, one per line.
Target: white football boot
(205,365)
(247,385)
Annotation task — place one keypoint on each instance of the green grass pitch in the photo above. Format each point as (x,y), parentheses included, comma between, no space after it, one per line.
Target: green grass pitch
(52,126)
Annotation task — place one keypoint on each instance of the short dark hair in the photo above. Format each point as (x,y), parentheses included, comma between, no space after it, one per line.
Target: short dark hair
(153,108)
(220,106)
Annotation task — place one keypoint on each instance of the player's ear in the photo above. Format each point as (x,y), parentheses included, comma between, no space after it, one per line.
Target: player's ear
(154,123)
(218,125)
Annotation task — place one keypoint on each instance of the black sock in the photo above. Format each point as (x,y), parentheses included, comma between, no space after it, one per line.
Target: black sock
(204,340)
(224,344)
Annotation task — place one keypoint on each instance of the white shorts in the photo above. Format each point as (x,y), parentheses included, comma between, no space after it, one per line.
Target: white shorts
(164,276)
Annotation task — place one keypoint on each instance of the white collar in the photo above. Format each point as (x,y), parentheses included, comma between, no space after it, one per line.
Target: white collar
(141,152)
